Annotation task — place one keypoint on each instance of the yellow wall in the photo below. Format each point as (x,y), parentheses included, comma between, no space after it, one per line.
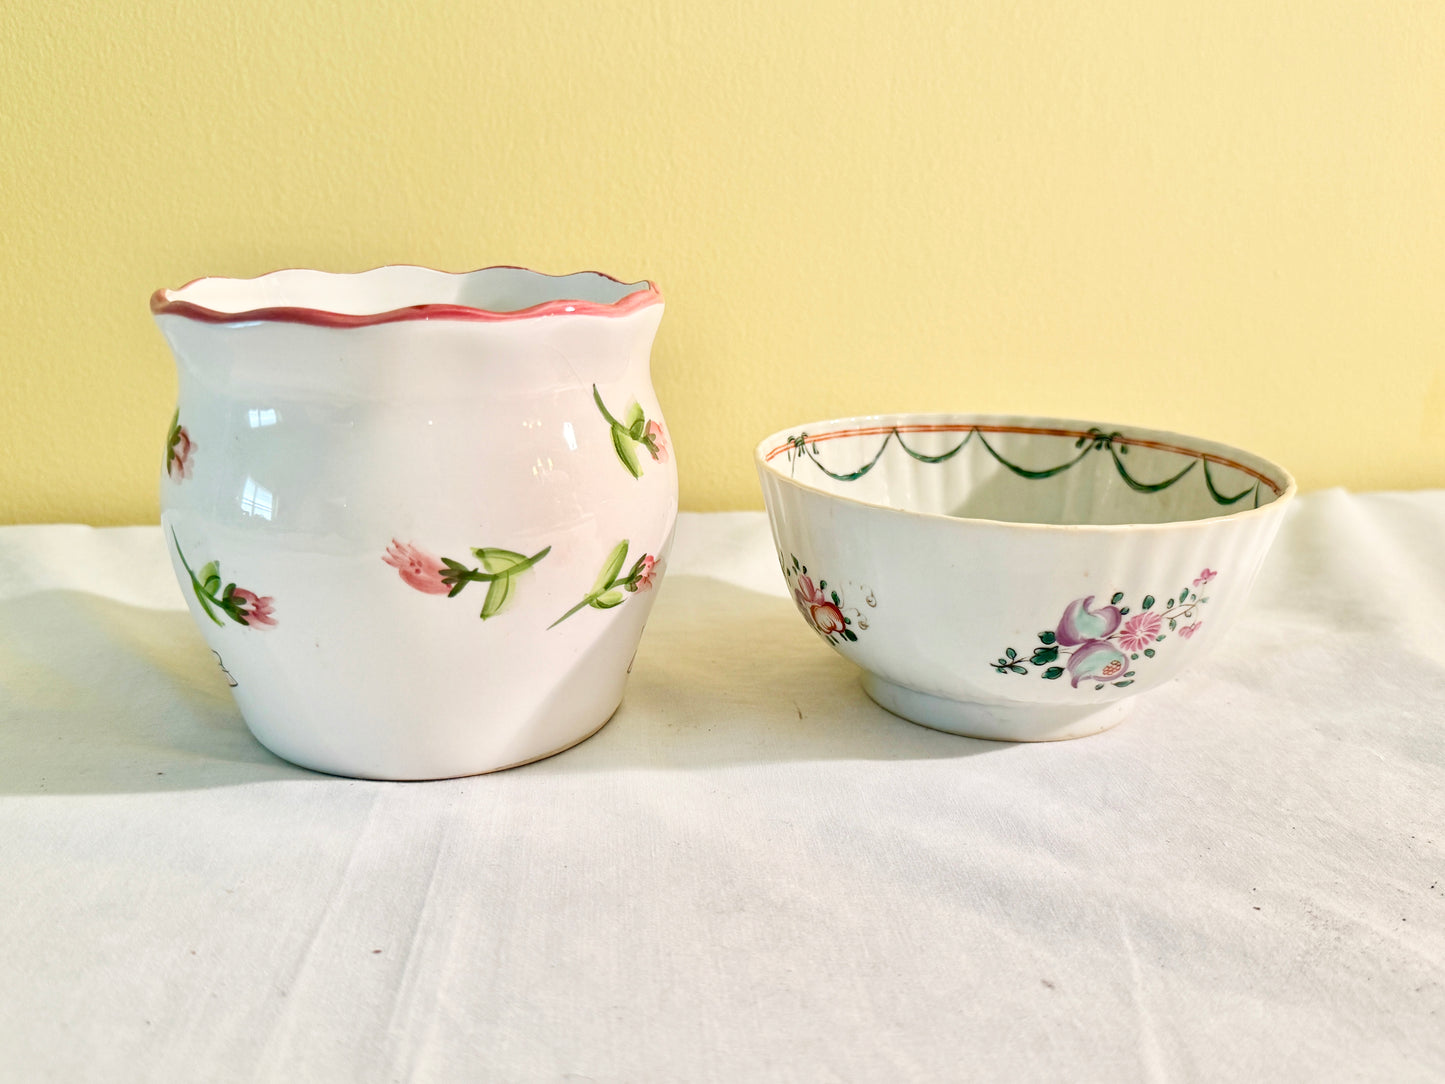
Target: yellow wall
(1225,218)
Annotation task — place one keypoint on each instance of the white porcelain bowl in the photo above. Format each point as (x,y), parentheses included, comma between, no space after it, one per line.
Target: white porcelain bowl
(1016,578)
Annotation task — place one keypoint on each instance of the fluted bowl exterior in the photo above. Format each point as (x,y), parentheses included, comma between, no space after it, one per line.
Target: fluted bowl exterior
(956,581)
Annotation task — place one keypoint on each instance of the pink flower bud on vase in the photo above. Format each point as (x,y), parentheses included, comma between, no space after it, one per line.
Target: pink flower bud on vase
(255,610)
(656,444)
(417,567)
(178,461)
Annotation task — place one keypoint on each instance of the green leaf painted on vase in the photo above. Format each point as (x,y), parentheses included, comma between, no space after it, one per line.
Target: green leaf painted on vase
(1046,636)
(626,451)
(1053,673)
(498,592)
(1118,598)
(611,568)
(1148,602)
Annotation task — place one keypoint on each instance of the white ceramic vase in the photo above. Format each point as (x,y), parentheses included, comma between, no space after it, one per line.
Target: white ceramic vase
(419,517)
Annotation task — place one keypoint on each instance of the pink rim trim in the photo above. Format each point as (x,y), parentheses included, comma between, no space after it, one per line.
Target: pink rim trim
(879,430)
(163,304)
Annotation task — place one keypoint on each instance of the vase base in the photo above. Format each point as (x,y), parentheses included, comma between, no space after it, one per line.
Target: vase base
(421,775)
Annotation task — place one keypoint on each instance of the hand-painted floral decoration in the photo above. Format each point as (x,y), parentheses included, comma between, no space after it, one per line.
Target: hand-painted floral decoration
(824,607)
(418,568)
(240,605)
(497,568)
(1101,644)
(632,432)
(655,441)
(612,587)
(179,449)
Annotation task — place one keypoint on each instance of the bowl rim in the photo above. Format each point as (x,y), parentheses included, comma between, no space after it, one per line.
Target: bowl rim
(164,302)
(1278,479)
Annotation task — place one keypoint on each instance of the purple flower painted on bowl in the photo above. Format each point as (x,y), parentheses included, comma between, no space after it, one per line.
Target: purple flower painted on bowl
(1188,631)
(1096,660)
(1139,631)
(1081,624)
(1204,577)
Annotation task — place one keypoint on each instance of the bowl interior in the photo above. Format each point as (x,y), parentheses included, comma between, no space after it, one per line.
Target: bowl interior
(1024,470)
(385,289)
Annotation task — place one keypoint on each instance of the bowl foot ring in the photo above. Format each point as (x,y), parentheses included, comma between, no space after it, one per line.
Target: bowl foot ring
(995,722)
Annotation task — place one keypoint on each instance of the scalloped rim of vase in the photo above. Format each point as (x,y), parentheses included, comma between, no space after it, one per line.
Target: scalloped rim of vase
(557,300)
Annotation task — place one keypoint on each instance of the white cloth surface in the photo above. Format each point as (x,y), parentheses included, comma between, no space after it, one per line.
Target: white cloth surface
(752,873)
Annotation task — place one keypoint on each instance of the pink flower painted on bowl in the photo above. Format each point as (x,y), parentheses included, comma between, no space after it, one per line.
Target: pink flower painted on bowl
(255,610)
(417,567)
(823,606)
(1096,660)
(1188,631)
(805,592)
(1204,577)
(1081,624)
(1139,631)
(814,604)
(826,618)
(655,441)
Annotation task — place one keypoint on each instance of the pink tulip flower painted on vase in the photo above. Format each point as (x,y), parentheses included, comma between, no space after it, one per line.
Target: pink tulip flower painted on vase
(497,568)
